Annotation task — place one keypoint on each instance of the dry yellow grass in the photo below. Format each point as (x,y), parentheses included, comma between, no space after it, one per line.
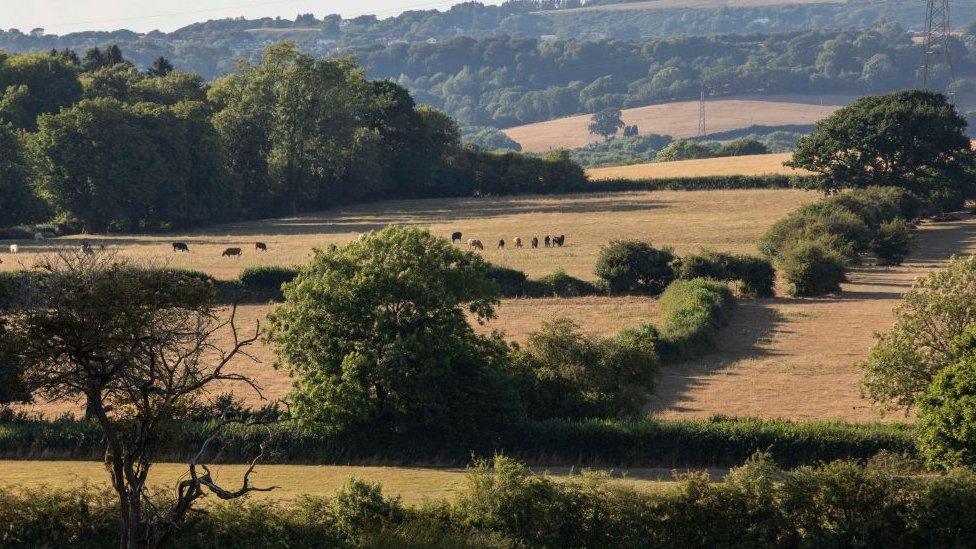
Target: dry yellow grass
(797,358)
(689,4)
(688,220)
(758,164)
(413,484)
(680,119)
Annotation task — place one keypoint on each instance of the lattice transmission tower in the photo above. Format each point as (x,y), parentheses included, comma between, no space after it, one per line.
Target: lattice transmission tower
(938,33)
(702,128)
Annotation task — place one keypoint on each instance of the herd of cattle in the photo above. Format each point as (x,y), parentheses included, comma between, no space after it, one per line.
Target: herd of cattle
(228,252)
(548,241)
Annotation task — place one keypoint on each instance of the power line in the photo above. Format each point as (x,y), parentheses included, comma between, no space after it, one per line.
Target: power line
(936,45)
(702,128)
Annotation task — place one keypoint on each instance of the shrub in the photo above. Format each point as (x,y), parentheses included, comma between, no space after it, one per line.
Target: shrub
(755,276)
(811,269)
(560,284)
(634,266)
(359,506)
(267,279)
(829,224)
(741,147)
(892,242)
(946,418)
(564,373)
(692,311)
(511,281)
(930,322)
(684,149)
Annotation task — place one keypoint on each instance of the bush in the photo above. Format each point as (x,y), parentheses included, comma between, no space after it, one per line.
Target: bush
(742,147)
(684,149)
(892,242)
(560,284)
(360,506)
(634,266)
(692,312)
(755,276)
(513,283)
(946,419)
(267,279)
(566,374)
(829,224)
(811,269)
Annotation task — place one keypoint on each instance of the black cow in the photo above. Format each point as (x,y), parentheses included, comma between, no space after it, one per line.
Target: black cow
(180,247)
(559,240)
(232,251)
(501,244)
(456,237)
(535,241)
(261,246)
(548,239)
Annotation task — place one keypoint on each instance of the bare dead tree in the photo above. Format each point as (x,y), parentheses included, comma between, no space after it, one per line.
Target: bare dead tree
(141,346)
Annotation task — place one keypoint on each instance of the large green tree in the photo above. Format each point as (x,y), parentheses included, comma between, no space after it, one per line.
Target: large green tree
(50,82)
(606,123)
(18,202)
(913,139)
(376,334)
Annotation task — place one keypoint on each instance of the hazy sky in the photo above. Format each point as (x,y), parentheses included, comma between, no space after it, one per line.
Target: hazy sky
(64,16)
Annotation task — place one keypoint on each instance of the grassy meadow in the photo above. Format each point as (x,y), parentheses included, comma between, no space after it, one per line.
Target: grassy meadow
(413,485)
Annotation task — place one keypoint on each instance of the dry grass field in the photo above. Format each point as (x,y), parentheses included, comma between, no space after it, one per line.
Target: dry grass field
(757,164)
(797,358)
(688,220)
(413,484)
(680,119)
(689,4)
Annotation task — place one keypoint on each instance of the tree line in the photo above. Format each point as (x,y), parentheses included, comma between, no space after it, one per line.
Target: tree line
(94,141)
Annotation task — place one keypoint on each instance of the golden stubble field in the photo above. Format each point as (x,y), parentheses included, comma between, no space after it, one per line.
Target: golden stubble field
(756,164)
(680,119)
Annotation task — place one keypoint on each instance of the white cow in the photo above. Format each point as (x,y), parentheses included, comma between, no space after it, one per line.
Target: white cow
(14,248)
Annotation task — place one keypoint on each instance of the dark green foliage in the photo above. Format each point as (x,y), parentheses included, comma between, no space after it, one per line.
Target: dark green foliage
(892,242)
(18,201)
(635,266)
(606,123)
(504,504)
(825,222)
(742,147)
(685,149)
(560,284)
(692,312)
(488,138)
(511,282)
(947,416)
(620,150)
(702,183)
(755,276)
(376,335)
(812,268)
(266,281)
(565,374)
(875,141)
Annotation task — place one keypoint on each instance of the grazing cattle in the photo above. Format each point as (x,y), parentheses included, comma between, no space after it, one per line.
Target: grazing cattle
(518,242)
(501,244)
(548,239)
(180,247)
(14,248)
(261,246)
(232,251)
(456,237)
(559,240)
(535,241)
(475,244)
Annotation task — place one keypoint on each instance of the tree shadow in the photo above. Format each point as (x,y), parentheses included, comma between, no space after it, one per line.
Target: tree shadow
(754,324)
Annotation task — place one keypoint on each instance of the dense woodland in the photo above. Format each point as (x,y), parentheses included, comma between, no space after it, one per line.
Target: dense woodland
(102,145)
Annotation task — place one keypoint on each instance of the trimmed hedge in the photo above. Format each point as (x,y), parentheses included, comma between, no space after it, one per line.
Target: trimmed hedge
(715,442)
(755,276)
(701,183)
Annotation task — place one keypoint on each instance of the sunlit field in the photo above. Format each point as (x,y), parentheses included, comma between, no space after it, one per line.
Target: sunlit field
(758,164)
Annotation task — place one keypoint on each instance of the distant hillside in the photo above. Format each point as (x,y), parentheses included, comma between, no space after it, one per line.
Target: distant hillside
(680,119)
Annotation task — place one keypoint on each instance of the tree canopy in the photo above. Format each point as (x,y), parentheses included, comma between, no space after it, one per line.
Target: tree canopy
(913,139)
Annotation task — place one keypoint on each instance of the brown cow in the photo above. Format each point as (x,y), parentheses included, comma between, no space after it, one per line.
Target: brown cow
(232,251)
(548,240)
(501,244)
(518,242)
(475,244)
(535,241)
(456,237)
(261,246)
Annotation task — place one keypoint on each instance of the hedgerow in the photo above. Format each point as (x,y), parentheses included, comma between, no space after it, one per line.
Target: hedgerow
(692,312)
(502,504)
